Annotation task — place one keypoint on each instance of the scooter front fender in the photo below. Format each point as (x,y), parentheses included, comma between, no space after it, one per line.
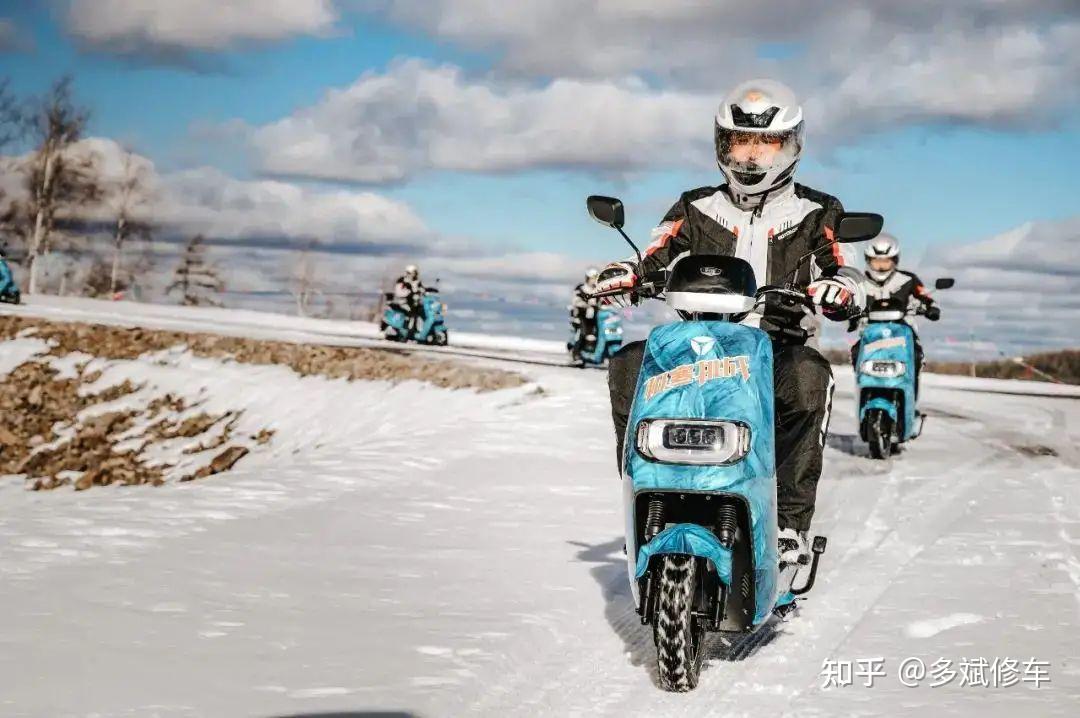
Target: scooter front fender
(687,539)
(882,403)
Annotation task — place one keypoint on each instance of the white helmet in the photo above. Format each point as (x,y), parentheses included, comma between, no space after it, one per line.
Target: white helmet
(591,275)
(768,109)
(412,271)
(884,246)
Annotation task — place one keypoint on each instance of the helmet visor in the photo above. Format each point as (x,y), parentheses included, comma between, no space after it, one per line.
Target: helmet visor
(753,153)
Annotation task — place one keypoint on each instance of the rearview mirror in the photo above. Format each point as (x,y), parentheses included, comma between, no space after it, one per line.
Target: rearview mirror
(606,210)
(858,226)
(944,283)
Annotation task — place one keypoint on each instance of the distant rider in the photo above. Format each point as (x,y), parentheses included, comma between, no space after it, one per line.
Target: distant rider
(583,308)
(409,294)
(885,283)
(761,215)
(9,291)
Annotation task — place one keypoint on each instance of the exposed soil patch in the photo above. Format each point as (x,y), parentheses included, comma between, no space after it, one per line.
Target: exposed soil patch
(56,430)
(305,359)
(1036,450)
(46,436)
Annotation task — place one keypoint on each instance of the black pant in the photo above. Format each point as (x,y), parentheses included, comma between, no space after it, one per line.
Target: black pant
(584,321)
(803,384)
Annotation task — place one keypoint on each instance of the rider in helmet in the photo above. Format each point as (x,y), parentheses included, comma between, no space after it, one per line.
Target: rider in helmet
(762,215)
(886,283)
(408,293)
(9,291)
(583,312)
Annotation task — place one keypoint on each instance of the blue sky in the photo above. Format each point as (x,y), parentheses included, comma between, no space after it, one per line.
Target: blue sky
(951,156)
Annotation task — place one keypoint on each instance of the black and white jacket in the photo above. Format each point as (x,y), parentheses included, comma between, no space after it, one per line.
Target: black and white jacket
(770,231)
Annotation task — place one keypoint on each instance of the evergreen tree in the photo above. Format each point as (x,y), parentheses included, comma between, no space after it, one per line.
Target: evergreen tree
(195,279)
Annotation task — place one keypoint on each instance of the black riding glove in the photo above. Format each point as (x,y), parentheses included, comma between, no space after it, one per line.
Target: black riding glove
(782,318)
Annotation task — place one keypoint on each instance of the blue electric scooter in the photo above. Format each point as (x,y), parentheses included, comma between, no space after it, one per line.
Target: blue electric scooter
(429,329)
(595,350)
(9,291)
(699,464)
(885,371)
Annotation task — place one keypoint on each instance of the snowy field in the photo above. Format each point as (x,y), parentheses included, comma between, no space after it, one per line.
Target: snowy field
(442,553)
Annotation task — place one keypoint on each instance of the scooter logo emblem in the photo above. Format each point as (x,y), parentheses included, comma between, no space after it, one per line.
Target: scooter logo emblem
(702,345)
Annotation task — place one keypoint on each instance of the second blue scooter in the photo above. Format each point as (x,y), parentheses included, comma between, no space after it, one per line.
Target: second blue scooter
(886,373)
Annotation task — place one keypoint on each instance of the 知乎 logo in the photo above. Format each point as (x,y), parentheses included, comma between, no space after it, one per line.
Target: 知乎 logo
(702,345)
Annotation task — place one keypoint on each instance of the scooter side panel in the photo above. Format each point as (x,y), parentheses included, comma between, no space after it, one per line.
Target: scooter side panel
(889,341)
(721,371)
(394,318)
(432,316)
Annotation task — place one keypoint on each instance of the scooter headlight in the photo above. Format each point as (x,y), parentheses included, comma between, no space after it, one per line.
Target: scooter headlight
(693,441)
(883,368)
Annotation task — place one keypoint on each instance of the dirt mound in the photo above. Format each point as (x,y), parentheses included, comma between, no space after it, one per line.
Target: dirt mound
(43,439)
(55,432)
(306,359)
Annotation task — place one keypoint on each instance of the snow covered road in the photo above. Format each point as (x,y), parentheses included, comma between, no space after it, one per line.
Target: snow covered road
(444,553)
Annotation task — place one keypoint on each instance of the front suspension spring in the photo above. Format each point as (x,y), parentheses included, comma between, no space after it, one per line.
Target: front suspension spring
(654,520)
(727,522)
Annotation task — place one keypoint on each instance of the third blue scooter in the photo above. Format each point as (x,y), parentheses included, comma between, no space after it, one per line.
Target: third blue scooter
(429,328)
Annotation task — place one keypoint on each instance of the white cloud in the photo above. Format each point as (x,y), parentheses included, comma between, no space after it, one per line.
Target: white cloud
(864,72)
(1017,75)
(385,127)
(696,40)
(9,38)
(1018,291)
(167,27)
(256,230)
(207,200)
(860,66)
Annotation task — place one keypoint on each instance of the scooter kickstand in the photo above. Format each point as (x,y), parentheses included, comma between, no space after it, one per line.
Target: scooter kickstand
(818,548)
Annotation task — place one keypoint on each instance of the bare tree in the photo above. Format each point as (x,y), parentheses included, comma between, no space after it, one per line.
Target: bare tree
(57,180)
(195,278)
(129,194)
(304,285)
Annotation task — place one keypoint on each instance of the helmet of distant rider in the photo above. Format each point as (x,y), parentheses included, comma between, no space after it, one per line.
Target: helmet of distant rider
(758,136)
(591,275)
(882,255)
(412,271)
